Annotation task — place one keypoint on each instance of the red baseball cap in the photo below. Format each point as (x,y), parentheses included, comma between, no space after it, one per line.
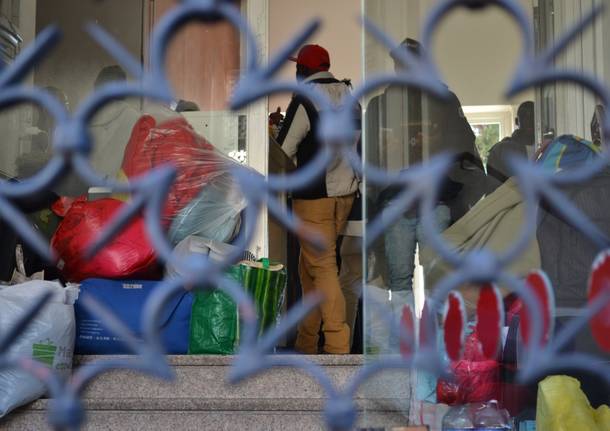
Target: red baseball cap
(314,57)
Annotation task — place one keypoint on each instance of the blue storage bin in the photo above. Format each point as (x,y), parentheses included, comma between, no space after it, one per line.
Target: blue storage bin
(126,300)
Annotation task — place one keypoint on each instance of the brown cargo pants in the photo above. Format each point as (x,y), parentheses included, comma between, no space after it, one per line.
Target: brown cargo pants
(319,273)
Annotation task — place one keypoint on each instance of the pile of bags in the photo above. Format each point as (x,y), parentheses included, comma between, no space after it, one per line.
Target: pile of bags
(204,200)
(215,321)
(194,322)
(202,215)
(201,322)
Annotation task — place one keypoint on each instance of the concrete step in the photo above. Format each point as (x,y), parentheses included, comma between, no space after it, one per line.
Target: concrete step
(185,414)
(200,398)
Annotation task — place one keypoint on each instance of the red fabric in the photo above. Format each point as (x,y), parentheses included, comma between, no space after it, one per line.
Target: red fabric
(540,286)
(473,349)
(513,306)
(477,379)
(490,320)
(134,161)
(407,325)
(455,322)
(130,255)
(62,205)
(172,142)
(516,397)
(424,327)
(599,285)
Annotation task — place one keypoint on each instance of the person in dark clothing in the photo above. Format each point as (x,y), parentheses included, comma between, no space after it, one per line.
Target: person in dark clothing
(403,128)
(520,143)
(567,257)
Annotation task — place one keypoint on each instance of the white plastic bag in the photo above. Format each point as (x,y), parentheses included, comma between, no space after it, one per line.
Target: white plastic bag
(377,332)
(195,245)
(48,338)
(19,273)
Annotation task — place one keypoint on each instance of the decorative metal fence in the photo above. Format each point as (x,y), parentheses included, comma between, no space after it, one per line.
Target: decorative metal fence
(72,145)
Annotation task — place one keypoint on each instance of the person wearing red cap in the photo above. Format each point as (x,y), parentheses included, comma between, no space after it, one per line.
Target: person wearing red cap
(323,206)
(311,60)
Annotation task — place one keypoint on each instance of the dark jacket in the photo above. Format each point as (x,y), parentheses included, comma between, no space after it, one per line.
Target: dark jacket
(497,161)
(404,127)
(298,138)
(567,255)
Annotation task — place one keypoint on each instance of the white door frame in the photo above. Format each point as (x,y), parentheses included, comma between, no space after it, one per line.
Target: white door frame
(257,13)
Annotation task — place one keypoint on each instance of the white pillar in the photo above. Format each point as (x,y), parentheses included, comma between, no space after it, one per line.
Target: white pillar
(258,131)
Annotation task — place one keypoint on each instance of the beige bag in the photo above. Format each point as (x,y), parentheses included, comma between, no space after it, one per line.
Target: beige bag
(493,223)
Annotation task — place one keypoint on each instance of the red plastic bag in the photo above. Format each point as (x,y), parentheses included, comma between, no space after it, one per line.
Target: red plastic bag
(130,255)
(173,142)
(477,379)
(62,205)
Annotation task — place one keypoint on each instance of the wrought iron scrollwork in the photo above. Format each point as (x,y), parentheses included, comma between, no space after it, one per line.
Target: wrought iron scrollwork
(72,145)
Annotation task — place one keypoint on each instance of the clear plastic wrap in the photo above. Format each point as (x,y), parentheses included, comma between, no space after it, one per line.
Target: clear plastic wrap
(478,416)
(477,379)
(214,214)
(204,199)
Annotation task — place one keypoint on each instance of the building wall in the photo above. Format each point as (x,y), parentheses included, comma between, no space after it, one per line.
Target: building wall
(475,52)
(478,53)
(340,34)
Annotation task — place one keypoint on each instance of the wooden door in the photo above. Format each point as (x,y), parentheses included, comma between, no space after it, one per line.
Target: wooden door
(203,60)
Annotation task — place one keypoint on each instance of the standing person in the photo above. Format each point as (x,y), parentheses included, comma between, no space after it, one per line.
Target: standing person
(275,122)
(520,143)
(323,206)
(351,272)
(41,142)
(404,127)
(111,127)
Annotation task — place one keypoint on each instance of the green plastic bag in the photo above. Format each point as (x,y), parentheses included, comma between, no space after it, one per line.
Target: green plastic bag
(265,282)
(215,319)
(214,322)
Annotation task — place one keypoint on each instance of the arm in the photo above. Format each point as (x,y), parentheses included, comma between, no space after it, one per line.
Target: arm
(295,128)
(458,130)
(496,166)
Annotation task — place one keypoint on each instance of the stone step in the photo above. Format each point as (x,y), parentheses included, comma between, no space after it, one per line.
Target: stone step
(205,377)
(221,420)
(200,398)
